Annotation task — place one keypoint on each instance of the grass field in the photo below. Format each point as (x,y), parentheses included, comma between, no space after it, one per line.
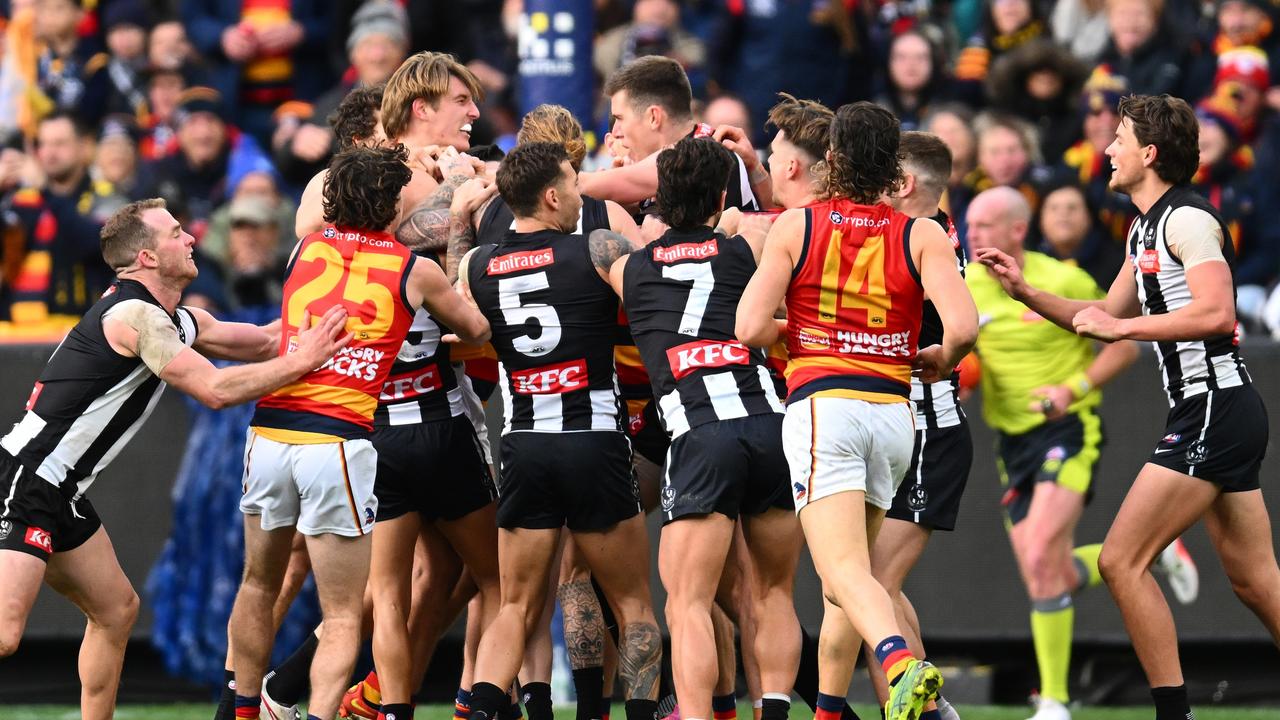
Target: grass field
(443,712)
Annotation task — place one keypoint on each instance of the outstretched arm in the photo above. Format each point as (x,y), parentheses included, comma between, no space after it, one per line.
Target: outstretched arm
(235,341)
(145,332)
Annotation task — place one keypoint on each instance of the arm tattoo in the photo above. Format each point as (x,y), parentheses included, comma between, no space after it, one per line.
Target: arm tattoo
(427,227)
(462,237)
(158,342)
(640,660)
(583,624)
(606,247)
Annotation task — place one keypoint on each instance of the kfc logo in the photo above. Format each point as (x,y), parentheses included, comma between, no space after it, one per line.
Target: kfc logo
(550,379)
(411,385)
(699,354)
(39,538)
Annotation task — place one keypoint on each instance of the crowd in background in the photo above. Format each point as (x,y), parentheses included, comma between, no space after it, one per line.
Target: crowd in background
(221,106)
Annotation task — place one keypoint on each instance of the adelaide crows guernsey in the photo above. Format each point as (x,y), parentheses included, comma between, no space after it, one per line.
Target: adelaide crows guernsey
(853,305)
(365,272)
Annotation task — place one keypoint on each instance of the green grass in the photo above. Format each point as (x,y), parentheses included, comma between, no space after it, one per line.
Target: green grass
(443,712)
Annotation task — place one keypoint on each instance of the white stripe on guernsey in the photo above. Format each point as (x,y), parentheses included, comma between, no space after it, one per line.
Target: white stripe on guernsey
(22,433)
(507,409)
(744,183)
(604,410)
(722,388)
(766,384)
(409,413)
(673,414)
(1204,429)
(120,443)
(89,426)
(548,413)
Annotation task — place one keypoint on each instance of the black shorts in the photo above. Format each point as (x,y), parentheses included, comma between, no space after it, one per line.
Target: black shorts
(579,479)
(434,468)
(36,518)
(930,493)
(1063,451)
(733,467)
(1219,436)
(649,439)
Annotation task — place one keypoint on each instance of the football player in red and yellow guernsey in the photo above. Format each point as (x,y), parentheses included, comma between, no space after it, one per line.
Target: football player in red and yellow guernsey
(853,273)
(309,463)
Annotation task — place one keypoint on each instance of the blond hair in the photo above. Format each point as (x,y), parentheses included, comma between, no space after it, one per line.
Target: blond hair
(425,75)
(554,123)
(125,234)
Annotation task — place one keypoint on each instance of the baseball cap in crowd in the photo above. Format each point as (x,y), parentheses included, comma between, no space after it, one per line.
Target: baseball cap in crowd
(1247,65)
(252,211)
(379,17)
(197,100)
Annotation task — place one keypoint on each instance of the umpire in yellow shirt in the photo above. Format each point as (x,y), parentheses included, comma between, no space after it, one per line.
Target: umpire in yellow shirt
(1040,385)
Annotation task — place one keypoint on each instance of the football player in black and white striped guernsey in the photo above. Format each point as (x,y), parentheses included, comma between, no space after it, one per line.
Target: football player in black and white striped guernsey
(564,459)
(92,398)
(1178,292)
(718,403)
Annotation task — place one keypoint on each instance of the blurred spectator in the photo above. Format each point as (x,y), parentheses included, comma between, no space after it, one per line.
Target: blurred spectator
(914,77)
(168,47)
(1225,178)
(1007,154)
(953,123)
(1068,232)
(126,23)
(807,49)
(1039,82)
(159,133)
(728,109)
(1145,51)
(262,53)
(196,176)
(439,25)
(53,268)
(1240,23)
(1087,162)
(1006,25)
(379,41)
(1242,80)
(71,73)
(259,183)
(255,263)
(1081,27)
(654,30)
(115,159)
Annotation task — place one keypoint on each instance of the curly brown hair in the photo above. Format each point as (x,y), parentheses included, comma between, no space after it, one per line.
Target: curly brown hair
(691,181)
(1170,124)
(863,158)
(362,189)
(357,115)
(554,123)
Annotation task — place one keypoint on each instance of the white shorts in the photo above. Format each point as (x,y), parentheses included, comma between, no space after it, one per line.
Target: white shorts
(324,489)
(836,445)
(474,409)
